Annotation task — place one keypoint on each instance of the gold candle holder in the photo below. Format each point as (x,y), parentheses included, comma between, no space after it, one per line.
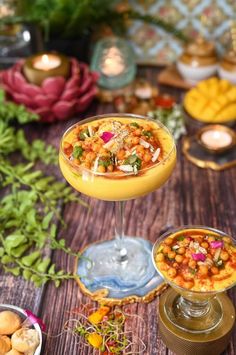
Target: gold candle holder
(216,138)
(41,66)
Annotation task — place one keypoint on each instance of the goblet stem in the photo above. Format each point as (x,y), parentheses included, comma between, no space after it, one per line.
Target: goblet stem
(119,231)
(193,309)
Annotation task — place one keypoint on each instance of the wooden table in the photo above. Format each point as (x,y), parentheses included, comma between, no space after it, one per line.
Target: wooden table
(191,196)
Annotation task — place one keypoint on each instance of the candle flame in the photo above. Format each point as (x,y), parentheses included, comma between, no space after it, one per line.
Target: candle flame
(45,59)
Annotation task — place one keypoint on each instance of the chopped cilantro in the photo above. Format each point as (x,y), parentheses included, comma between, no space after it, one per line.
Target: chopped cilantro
(147,134)
(104,162)
(135,124)
(192,271)
(181,237)
(84,134)
(77,152)
(134,160)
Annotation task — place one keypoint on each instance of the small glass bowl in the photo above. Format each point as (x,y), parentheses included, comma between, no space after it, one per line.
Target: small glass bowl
(190,310)
(23,316)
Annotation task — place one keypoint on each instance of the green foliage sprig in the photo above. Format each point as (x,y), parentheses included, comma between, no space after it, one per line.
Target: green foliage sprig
(71,18)
(29,209)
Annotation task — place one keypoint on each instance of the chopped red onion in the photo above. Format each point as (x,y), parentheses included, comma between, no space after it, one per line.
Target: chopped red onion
(217,244)
(107,136)
(198,257)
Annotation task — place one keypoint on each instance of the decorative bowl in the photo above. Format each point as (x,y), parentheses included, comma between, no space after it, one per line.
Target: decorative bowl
(198,61)
(23,316)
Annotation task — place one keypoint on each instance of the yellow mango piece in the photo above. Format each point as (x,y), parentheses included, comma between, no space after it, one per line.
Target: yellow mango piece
(231,94)
(224,85)
(222,100)
(95,340)
(97,316)
(215,106)
(227,114)
(203,87)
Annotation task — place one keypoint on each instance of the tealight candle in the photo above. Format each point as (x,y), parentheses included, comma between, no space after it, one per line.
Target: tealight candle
(113,62)
(46,62)
(42,66)
(216,138)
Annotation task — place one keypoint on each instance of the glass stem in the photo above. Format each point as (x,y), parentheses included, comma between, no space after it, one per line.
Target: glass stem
(193,309)
(119,231)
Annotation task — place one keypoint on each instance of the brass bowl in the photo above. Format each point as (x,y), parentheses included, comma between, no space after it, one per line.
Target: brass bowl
(216,127)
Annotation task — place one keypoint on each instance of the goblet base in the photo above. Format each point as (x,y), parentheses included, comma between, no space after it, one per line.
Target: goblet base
(212,342)
(193,317)
(107,271)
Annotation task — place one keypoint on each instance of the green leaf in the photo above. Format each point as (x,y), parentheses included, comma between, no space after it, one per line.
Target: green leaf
(43,266)
(47,219)
(14,240)
(30,259)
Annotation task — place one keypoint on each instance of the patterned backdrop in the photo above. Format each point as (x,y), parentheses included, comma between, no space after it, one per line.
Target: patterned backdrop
(211,18)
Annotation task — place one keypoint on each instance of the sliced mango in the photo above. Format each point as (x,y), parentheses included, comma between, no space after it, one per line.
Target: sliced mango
(212,100)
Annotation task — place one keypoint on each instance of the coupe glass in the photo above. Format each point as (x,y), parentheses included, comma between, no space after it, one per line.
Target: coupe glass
(192,311)
(122,265)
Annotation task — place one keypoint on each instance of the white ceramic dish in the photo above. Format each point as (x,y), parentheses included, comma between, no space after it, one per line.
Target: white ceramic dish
(22,314)
(228,75)
(194,74)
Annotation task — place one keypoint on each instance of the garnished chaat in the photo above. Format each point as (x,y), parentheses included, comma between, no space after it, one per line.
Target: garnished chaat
(107,146)
(198,260)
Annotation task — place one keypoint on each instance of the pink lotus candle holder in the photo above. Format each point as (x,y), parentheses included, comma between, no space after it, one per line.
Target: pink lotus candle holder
(56,98)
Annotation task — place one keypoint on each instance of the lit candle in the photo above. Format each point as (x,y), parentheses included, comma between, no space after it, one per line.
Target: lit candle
(113,62)
(46,65)
(217,138)
(46,62)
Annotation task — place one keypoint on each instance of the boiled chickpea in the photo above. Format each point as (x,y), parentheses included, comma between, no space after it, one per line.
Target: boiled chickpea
(172,272)
(140,149)
(110,168)
(135,140)
(227,240)
(101,169)
(137,132)
(192,264)
(163,266)
(175,265)
(179,258)
(203,270)
(204,245)
(188,284)
(121,154)
(160,257)
(168,241)
(214,270)
(147,157)
(96,147)
(90,156)
(181,250)
(171,255)
(166,249)
(179,280)
(67,145)
(185,261)
(224,255)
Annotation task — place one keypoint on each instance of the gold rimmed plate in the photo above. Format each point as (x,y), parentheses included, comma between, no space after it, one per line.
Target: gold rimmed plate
(204,159)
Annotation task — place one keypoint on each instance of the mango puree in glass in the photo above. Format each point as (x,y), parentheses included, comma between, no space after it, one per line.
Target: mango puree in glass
(117,186)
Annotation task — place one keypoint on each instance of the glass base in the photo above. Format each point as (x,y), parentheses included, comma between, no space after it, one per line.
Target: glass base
(193,317)
(122,271)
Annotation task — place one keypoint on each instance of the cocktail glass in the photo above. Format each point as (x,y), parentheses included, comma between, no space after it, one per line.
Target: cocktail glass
(122,266)
(188,310)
